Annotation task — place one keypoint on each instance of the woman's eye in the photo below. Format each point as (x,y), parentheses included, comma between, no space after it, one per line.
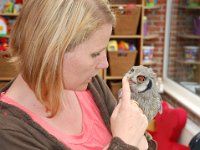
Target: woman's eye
(95,55)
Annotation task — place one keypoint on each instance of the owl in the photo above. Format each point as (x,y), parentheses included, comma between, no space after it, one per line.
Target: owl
(144,90)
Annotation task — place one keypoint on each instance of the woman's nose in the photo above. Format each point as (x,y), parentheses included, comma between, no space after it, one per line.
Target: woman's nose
(103,63)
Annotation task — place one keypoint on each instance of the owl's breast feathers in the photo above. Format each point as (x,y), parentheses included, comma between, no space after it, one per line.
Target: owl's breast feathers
(149,101)
(149,86)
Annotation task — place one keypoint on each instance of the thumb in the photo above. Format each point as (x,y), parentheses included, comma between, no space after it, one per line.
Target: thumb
(126,94)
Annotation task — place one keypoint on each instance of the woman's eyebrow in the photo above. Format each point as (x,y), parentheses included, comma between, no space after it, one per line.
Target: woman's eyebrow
(102,49)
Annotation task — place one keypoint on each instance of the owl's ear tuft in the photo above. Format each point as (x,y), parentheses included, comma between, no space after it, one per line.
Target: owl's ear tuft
(150,70)
(152,73)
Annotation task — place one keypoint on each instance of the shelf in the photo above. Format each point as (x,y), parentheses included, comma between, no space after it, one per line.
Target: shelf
(113,77)
(5,36)
(189,36)
(153,7)
(149,37)
(148,63)
(6,78)
(9,14)
(3,53)
(189,7)
(188,62)
(126,36)
(137,39)
(124,5)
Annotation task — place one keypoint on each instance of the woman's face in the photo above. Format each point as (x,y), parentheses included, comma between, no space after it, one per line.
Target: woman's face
(84,61)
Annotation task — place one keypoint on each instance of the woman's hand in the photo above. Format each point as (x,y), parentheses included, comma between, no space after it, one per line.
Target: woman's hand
(128,121)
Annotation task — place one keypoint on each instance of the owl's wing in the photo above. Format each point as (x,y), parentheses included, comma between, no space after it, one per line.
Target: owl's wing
(160,101)
(120,94)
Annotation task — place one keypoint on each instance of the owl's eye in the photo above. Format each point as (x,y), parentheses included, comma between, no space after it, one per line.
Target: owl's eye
(140,79)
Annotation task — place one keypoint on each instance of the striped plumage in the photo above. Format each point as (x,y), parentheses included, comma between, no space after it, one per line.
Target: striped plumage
(144,90)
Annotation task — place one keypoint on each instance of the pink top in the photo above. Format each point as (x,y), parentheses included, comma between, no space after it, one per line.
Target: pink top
(94,135)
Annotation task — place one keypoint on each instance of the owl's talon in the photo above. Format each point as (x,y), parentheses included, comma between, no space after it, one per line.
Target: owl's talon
(148,136)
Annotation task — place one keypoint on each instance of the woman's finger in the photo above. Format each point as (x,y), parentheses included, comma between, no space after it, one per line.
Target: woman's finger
(126,94)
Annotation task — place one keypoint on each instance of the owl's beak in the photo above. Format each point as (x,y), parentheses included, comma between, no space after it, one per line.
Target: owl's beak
(131,81)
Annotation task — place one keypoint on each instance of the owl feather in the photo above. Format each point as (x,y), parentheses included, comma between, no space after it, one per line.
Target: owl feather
(144,90)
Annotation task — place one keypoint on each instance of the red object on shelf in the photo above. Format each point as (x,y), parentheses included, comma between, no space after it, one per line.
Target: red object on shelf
(131,6)
(3,44)
(18,1)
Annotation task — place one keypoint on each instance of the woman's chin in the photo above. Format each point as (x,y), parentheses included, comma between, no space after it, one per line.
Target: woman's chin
(83,87)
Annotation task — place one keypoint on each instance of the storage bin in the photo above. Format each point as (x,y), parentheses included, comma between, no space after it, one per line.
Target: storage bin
(127,20)
(121,62)
(197,25)
(191,53)
(150,3)
(115,86)
(148,53)
(192,3)
(145,26)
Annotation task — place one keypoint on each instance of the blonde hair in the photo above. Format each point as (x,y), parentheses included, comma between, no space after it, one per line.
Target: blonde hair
(43,32)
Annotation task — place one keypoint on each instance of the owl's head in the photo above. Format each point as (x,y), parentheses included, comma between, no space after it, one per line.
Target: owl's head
(141,78)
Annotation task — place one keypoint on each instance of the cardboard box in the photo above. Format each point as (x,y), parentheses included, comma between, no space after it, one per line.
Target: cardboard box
(121,62)
(127,20)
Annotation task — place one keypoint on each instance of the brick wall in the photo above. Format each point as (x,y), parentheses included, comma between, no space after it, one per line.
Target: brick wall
(182,23)
(156,25)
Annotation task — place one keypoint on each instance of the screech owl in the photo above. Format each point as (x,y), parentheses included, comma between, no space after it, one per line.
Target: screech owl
(142,81)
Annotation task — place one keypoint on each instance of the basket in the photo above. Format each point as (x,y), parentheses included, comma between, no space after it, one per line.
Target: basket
(6,69)
(115,86)
(127,20)
(148,53)
(121,62)
(191,53)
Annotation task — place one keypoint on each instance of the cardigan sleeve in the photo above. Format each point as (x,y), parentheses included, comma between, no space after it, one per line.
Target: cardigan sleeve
(11,139)
(117,144)
(109,98)
(19,132)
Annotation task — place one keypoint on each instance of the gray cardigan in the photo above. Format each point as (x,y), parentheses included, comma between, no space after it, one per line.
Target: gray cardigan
(19,132)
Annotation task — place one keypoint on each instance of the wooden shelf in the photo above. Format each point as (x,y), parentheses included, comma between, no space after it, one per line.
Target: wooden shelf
(124,5)
(113,77)
(148,63)
(138,39)
(189,36)
(149,37)
(189,7)
(153,7)
(5,36)
(9,14)
(6,78)
(126,36)
(188,62)
(3,53)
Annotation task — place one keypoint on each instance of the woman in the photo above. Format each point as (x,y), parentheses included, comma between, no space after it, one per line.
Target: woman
(58,101)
